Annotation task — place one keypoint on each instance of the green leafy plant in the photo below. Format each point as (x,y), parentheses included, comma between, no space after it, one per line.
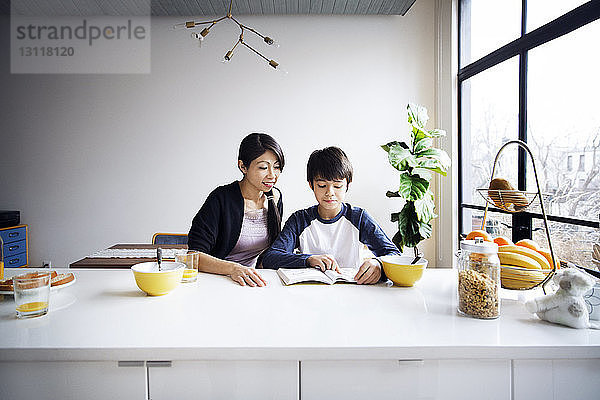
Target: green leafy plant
(416,161)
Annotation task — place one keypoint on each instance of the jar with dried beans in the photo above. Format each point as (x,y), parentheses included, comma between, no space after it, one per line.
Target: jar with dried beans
(479,279)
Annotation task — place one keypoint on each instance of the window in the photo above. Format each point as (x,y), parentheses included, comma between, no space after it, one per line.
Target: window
(582,163)
(527,71)
(540,12)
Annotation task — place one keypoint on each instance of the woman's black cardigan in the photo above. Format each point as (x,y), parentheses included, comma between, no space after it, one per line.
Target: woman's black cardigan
(216,227)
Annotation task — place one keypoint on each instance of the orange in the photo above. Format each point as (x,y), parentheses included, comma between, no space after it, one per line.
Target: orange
(546,253)
(479,233)
(503,241)
(528,243)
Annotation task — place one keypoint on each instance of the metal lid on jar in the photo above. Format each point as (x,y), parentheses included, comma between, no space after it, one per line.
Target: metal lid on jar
(479,246)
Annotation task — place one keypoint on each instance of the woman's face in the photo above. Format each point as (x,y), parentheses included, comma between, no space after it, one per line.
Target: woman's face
(263,171)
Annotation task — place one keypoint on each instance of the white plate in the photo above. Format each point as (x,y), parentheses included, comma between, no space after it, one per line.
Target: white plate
(52,288)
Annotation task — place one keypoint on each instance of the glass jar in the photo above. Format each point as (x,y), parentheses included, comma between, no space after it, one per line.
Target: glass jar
(479,279)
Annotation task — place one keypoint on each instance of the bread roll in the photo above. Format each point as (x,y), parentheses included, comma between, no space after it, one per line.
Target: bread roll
(61,279)
(503,194)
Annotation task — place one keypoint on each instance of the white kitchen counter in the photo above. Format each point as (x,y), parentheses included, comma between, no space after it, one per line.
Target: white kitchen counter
(104,316)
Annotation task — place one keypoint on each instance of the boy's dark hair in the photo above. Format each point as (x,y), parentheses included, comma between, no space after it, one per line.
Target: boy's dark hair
(329,164)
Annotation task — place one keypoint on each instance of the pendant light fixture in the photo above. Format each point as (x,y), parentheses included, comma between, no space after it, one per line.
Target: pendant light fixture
(243,28)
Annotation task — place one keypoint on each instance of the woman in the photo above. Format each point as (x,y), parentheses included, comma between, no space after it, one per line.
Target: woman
(240,220)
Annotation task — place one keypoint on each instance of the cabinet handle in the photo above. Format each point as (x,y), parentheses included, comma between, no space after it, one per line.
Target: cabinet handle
(130,363)
(162,364)
(13,261)
(11,248)
(13,234)
(416,361)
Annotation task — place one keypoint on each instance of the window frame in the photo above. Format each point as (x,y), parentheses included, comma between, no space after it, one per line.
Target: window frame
(586,13)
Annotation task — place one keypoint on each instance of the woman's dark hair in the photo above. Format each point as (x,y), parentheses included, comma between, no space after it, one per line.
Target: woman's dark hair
(253,146)
(330,164)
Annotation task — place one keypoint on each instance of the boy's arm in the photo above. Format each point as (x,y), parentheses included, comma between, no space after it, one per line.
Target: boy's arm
(281,253)
(371,234)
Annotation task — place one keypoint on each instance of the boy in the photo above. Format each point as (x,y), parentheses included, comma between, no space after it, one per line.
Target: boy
(331,234)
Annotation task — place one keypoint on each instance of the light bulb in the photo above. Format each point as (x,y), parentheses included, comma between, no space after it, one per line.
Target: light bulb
(275,65)
(181,25)
(271,41)
(199,37)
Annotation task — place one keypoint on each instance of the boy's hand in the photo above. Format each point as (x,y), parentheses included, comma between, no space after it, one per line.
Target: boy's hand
(323,262)
(368,273)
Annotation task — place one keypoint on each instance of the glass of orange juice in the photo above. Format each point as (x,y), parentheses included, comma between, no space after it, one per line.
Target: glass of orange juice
(32,294)
(191,259)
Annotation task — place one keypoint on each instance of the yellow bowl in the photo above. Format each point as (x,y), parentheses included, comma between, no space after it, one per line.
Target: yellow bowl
(157,283)
(400,270)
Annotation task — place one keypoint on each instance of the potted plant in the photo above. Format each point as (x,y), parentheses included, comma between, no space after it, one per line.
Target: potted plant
(416,161)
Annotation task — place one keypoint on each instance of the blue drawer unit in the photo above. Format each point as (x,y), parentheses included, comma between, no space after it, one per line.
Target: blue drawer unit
(14,246)
(13,234)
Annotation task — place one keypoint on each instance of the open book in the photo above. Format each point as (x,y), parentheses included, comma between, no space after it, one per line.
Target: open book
(290,276)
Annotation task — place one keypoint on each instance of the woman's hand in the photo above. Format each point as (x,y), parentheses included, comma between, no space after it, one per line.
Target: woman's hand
(323,262)
(246,276)
(369,272)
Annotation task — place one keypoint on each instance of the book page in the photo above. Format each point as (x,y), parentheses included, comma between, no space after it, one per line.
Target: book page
(345,275)
(290,276)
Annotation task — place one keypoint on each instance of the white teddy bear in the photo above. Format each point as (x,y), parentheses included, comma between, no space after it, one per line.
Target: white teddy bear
(566,306)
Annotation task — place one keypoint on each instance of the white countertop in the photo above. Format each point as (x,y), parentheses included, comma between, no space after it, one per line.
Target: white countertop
(104,316)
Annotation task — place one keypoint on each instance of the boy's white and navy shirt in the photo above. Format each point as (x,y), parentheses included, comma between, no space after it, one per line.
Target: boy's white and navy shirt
(342,237)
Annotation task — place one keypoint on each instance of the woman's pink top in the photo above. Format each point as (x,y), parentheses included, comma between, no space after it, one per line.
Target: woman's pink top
(253,240)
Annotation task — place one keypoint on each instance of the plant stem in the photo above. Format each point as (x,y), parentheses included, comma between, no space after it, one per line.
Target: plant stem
(416,250)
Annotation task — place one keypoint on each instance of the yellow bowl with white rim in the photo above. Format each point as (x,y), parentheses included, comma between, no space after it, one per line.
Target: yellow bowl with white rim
(400,270)
(157,283)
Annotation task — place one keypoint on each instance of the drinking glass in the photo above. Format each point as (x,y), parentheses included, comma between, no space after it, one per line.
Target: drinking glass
(32,294)
(191,259)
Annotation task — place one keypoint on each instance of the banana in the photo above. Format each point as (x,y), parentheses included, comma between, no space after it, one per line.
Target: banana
(520,260)
(546,253)
(514,272)
(514,277)
(525,251)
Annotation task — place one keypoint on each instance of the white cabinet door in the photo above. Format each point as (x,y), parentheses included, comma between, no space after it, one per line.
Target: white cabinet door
(71,380)
(557,379)
(224,380)
(430,379)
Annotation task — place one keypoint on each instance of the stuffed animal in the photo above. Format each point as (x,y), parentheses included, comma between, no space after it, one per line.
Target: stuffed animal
(566,306)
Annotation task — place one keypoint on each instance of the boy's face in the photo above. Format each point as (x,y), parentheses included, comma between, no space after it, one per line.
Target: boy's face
(330,195)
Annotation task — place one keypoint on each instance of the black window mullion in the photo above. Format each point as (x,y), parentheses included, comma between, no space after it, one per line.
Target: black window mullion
(522,224)
(551,218)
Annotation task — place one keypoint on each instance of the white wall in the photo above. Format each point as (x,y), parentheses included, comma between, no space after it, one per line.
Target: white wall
(446,60)
(94,160)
